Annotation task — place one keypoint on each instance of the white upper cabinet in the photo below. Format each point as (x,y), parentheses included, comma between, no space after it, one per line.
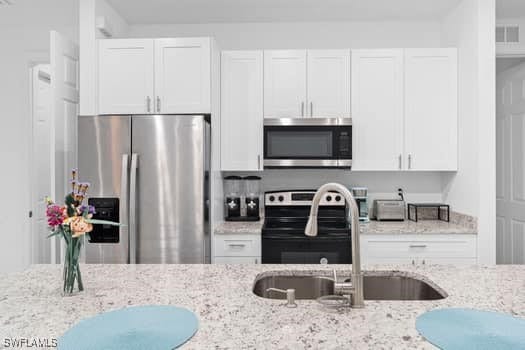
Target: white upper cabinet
(147,76)
(182,75)
(125,76)
(328,83)
(285,83)
(241,110)
(431,109)
(377,109)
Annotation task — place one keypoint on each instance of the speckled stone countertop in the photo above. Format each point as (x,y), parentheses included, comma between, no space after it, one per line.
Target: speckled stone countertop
(369,228)
(239,227)
(411,227)
(232,317)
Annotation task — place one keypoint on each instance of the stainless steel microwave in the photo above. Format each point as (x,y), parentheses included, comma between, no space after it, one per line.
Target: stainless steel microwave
(308,143)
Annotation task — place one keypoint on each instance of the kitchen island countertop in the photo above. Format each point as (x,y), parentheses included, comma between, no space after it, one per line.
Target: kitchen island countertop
(232,317)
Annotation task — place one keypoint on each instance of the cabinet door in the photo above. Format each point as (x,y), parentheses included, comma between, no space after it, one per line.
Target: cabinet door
(431,109)
(125,76)
(182,75)
(241,110)
(285,83)
(328,82)
(377,109)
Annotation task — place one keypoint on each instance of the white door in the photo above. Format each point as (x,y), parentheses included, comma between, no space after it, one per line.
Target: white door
(182,75)
(125,83)
(328,83)
(510,170)
(241,110)
(377,109)
(431,109)
(285,83)
(41,162)
(64,111)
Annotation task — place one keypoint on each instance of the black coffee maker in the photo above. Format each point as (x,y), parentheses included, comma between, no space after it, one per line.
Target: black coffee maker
(252,198)
(232,197)
(242,198)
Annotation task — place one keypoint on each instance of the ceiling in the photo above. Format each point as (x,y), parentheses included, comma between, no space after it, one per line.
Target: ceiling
(510,8)
(217,11)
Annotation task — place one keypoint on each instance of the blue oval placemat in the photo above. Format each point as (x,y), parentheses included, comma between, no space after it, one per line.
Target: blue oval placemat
(464,329)
(149,327)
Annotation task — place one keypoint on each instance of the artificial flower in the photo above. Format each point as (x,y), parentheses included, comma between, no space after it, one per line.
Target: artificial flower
(55,215)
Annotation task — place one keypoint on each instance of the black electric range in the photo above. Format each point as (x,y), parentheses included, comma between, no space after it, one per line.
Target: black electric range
(283,238)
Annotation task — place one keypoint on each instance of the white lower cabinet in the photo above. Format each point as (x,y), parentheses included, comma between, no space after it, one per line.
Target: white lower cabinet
(237,260)
(413,249)
(237,249)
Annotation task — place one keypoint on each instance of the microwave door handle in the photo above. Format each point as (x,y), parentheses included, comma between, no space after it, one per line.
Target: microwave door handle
(133,210)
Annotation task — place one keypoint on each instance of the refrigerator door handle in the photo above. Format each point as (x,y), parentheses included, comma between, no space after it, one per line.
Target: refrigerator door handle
(124,197)
(133,210)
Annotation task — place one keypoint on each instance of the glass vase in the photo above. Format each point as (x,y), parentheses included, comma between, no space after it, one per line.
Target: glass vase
(71,273)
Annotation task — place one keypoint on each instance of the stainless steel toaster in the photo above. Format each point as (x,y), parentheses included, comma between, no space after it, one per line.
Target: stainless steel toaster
(389,209)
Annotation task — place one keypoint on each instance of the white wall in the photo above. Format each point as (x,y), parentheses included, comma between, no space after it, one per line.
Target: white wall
(24,34)
(90,10)
(381,185)
(470,27)
(237,36)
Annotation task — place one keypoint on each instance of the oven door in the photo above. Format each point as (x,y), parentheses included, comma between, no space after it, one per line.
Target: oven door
(306,250)
(308,143)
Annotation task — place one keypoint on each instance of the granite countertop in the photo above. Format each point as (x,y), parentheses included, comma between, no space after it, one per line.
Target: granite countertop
(231,317)
(411,227)
(369,228)
(239,227)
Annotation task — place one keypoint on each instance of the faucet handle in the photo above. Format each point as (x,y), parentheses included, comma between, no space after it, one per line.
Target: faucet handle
(290,296)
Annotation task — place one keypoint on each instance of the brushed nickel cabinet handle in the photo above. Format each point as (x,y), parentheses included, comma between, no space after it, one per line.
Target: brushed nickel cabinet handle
(148,104)
(418,246)
(302,109)
(259,162)
(400,161)
(158,104)
(409,161)
(311,109)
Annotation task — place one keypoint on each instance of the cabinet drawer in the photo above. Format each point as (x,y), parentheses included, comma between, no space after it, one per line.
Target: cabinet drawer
(237,245)
(407,246)
(237,260)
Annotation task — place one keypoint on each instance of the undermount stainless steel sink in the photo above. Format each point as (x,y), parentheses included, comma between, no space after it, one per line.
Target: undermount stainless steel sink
(394,286)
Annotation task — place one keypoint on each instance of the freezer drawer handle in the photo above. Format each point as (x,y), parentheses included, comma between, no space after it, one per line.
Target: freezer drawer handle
(133,210)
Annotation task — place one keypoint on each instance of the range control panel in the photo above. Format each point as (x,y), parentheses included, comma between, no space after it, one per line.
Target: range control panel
(298,198)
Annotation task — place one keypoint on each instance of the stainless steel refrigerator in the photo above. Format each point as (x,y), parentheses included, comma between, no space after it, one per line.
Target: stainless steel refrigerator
(151,173)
